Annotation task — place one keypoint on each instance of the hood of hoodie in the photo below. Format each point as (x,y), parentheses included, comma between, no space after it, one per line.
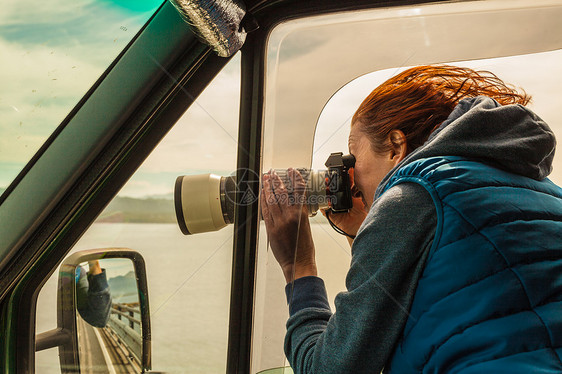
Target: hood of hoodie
(510,137)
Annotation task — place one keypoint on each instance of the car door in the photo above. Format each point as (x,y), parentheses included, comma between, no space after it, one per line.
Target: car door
(289,67)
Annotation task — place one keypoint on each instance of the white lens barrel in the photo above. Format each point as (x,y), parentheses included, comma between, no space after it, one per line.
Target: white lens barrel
(198,203)
(205,202)
(315,188)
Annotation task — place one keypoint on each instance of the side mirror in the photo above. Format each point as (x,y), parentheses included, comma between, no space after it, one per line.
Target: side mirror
(103,319)
(280,370)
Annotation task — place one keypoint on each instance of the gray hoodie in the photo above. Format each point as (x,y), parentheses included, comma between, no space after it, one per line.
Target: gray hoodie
(391,248)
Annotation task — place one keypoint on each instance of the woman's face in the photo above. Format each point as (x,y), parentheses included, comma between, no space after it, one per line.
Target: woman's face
(370,167)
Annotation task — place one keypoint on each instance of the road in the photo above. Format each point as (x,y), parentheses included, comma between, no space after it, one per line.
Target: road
(100,353)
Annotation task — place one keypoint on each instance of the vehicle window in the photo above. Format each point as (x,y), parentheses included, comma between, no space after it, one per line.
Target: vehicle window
(308,113)
(52,53)
(538,74)
(188,275)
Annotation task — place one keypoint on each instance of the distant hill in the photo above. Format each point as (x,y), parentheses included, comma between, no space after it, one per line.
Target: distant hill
(167,196)
(132,210)
(123,285)
(154,209)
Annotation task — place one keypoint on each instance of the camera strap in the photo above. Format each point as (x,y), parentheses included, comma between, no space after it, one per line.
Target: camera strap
(335,227)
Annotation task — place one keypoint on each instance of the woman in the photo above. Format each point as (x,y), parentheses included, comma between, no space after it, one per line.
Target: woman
(457,267)
(93,297)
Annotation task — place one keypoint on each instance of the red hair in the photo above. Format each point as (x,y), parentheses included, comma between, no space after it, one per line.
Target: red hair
(419,99)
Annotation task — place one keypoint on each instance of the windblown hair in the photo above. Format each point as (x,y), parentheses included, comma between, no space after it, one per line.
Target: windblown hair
(419,99)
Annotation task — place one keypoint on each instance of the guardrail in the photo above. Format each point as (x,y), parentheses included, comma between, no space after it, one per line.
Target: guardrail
(127,311)
(124,327)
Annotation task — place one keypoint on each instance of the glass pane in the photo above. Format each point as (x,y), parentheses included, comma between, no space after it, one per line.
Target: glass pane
(108,318)
(307,115)
(188,276)
(52,53)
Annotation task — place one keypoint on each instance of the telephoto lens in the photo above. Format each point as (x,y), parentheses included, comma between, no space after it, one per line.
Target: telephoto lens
(206,202)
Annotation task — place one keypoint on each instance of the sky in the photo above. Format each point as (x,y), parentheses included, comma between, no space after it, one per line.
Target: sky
(204,140)
(52,52)
(114,267)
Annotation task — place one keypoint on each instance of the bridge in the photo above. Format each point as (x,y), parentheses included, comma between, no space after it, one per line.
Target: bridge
(115,348)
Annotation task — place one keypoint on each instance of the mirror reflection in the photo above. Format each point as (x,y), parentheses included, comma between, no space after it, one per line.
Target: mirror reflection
(108,317)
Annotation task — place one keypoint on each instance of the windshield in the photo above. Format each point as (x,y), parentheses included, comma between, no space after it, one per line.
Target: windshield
(52,52)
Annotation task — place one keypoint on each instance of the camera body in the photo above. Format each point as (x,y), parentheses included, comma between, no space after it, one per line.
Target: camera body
(338,181)
(206,202)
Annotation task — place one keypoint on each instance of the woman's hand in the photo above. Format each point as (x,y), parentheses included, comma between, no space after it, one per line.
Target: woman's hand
(94,267)
(352,220)
(287,225)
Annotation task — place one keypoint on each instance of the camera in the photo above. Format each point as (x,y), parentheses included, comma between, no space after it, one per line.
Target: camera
(206,202)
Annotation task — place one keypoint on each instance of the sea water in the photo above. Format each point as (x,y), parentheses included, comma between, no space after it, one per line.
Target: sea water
(189,291)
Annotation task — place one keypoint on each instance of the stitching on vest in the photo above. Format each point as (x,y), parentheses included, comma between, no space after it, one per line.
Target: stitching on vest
(517,276)
(494,224)
(479,232)
(493,318)
(548,300)
(491,185)
(508,266)
(549,333)
(510,355)
(499,271)
(400,177)
(543,302)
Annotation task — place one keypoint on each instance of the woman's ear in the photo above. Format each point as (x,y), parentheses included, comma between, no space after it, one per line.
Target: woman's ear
(399,146)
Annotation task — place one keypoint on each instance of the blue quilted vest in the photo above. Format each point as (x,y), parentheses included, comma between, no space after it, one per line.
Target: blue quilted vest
(490,297)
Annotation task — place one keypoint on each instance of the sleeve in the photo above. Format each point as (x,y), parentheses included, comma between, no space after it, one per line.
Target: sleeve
(388,258)
(96,307)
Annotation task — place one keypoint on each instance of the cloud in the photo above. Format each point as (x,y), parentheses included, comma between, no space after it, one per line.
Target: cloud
(35,97)
(206,136)
(143,188)
(52,53)
(16,12)
(204,140)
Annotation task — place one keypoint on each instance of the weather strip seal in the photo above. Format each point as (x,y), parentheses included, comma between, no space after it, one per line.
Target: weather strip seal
(221,24)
